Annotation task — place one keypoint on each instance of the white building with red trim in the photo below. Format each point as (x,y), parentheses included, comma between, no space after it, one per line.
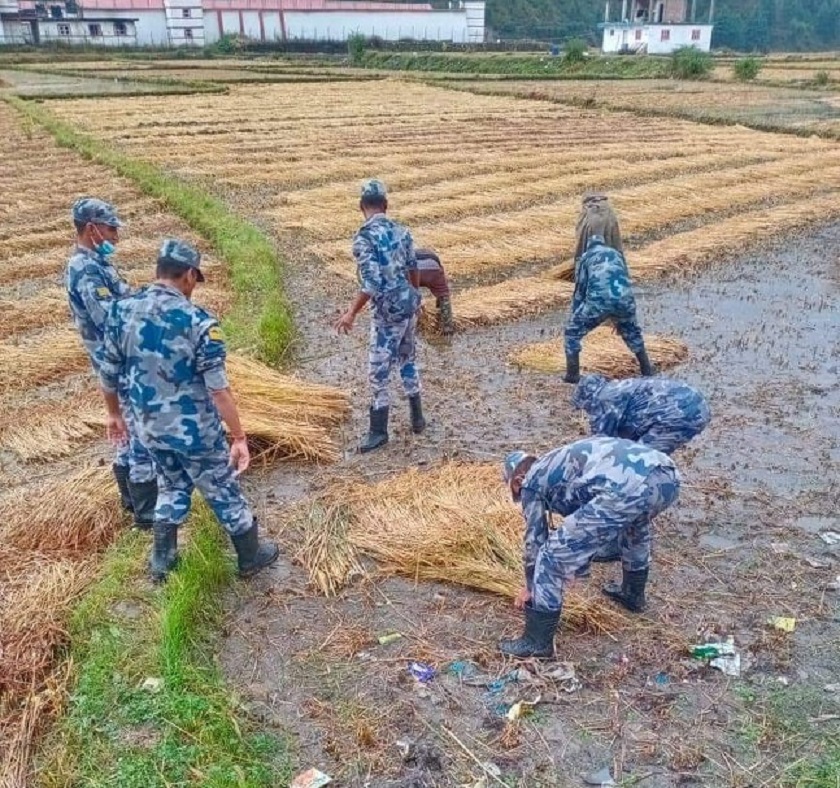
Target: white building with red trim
(162,23)
(655,27)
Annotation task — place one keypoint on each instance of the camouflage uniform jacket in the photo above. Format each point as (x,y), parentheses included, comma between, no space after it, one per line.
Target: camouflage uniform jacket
(384,252)
(602,279)
(577,479)
(92,285)
(629,408)
(171,354)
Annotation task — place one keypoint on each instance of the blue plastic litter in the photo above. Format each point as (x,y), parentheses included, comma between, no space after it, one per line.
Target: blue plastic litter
(421,671)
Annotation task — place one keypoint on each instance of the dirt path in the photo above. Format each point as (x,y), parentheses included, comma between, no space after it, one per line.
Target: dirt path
(742,544)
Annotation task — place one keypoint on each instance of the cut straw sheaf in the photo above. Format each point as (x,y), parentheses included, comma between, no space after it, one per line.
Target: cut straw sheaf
(603,352)
(40,359)
(453,524)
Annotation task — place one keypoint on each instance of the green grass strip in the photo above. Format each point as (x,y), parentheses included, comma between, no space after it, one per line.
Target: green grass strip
(149,707)
(260,319)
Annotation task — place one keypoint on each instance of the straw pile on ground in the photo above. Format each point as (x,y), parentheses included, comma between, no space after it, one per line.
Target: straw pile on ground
(603,352)
(454,524)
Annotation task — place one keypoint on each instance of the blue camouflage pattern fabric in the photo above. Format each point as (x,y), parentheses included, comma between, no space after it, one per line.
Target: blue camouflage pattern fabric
(662,413)
(92,285)
(603,291)
(171,353)
(384,253)
(582,497)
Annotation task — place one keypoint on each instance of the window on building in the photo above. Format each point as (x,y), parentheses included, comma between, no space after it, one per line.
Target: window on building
(188,34)
(666,35)
(120,29)
(186,12)
(612,32)
(95,30)
(71,6)
(695,35)
(64,30)
(56,12)
(638,35)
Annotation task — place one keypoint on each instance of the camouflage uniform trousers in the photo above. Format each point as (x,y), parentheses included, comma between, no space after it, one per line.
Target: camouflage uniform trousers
(392,343)
(588,317)
(625,516)
(132,453)
(668,437)
(209,470)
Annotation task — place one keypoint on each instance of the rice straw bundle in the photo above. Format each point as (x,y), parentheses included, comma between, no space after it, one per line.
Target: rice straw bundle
(603,352)
(53,429)
(75,513)
(454,524)
(41,359)
(39,594)
(47,308)
(510,300)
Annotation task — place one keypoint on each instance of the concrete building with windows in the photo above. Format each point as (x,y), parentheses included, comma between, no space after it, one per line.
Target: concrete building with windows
(162,23)
(654,27)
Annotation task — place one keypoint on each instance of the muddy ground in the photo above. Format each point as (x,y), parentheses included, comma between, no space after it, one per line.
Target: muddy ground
(742,544)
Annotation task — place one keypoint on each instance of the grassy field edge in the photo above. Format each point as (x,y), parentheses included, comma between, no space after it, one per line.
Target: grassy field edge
(149,706)
(260,319)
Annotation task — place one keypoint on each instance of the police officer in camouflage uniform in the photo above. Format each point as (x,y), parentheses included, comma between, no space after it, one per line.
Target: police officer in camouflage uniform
(170,354)
(602,290)
(662,413)
(92,285)
(575,500)
(387,269)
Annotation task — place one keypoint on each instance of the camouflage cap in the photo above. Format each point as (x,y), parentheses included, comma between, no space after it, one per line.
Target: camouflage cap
(94,211)
(587,389)
(511,463)
(180,253)
(373,190)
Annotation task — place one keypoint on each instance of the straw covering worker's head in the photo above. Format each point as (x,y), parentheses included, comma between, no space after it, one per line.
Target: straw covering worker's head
(597,218)
(97,225)
(374,198)
(514,470)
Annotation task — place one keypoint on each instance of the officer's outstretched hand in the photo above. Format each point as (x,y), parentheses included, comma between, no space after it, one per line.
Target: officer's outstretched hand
(240,457)
(116,429)
(345,323)
(522,598)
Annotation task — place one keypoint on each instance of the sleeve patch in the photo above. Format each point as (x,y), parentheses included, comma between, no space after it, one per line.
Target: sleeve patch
(216,334)
(103,292)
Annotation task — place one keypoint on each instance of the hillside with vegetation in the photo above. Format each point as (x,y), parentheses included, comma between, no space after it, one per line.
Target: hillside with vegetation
(744,25)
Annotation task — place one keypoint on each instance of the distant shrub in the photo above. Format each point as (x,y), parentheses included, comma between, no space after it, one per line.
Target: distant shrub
(822,78)
(746,69)
(226,45)
(691,63)
(575,51)
(356,48)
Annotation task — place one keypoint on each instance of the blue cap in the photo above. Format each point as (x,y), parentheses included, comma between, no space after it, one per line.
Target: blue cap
(373,190)
(587,389)
(177,252)
(511,463)
(90,210)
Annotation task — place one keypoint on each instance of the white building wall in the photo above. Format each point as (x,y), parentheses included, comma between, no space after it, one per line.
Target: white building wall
(475,21)
(389,25)
(185,30)
(656,39)
(150,26)
(77,31)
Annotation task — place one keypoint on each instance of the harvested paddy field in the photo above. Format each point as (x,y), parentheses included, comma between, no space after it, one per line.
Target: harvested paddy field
(419,539)
(492,183)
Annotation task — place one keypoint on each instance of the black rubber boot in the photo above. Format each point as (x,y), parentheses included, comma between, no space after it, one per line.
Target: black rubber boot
(445,319)
(378,435)
(164,551)
(144,498)
(645,366)
(253,554)
(631,593)
(607,554)
(537,640)
(572,368)
(418,423)
(121,475)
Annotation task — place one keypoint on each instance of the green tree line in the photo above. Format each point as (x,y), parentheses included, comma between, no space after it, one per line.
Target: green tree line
(743,25)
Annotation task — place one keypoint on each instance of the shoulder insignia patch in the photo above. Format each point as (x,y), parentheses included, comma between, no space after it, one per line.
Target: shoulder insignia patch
(216,334)
(103,292)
